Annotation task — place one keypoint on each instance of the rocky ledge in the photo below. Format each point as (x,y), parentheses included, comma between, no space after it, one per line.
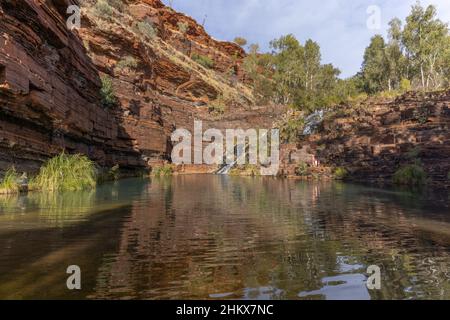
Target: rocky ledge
(375,139)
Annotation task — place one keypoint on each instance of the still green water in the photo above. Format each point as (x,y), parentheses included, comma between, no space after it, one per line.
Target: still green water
(220,237)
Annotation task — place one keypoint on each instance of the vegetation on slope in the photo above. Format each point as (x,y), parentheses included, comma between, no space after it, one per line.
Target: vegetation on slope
(116,17)
(108,97)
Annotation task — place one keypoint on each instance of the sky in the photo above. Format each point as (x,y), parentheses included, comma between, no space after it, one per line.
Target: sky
(339,26)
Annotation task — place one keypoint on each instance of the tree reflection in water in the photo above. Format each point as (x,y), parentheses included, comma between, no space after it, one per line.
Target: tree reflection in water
(212,237)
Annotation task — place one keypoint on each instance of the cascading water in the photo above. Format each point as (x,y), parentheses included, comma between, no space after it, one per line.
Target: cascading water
(227,167)
(313,121)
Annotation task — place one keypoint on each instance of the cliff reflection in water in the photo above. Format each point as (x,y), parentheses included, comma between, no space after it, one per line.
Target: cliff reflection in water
(223,237)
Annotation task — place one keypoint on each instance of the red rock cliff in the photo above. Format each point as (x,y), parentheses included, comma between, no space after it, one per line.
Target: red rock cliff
(376,139)
(50,81)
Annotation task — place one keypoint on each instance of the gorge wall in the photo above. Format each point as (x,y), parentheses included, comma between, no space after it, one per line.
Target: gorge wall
(380,136)
(50,82)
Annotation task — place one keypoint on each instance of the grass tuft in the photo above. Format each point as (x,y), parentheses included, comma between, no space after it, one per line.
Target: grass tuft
(204,61)
(183,27)
(247,170)
(103,10)
(302,169)
(217,106)
(127,62)
(340,173)
(146,30)
(163,171)
(66,172)
(9,184)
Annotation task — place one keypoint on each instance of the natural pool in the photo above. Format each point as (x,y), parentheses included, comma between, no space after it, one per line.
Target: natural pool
(209,237)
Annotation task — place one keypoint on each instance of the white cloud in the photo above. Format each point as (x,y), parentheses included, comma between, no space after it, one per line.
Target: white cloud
(339,26)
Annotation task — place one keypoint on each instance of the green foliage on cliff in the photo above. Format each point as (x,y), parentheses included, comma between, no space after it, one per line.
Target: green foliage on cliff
(9,183)
(290,129)
(202,60)
(108,98)
(240,41)
(127,62)
(117,4)
(146,30)
(103,9)
(217,106)
(66,172)
(183,27)
(410,175)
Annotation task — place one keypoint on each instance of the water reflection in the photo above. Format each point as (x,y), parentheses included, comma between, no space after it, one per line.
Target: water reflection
(216,237)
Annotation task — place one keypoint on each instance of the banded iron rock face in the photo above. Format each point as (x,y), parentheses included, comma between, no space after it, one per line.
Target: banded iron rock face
(380,137)
(50,81)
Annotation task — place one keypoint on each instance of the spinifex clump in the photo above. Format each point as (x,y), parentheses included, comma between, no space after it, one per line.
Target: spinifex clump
(9,184)
(67,172)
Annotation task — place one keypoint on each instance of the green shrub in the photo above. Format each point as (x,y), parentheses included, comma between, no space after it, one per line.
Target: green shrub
(405,85)
(302,169)
(291,128)
(340,173)
(240,41)
(217,106)
(103,9)
(204,61)
(410,175)
(387,94)
(183,27)
(146,30)
(108,97)
(66,172)
(9,184)
(246,170)
(165,170)
(127,62)
(117,4)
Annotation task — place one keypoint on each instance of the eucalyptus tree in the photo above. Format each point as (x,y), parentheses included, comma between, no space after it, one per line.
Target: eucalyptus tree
(426,43)
(375,65)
